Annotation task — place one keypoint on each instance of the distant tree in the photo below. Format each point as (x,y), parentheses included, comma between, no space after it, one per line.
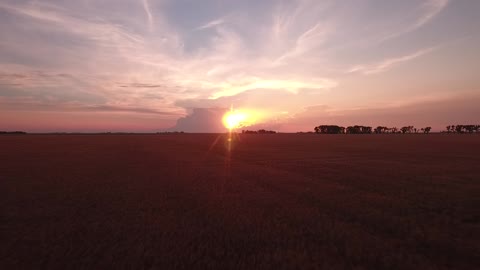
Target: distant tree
(380,130)
(13,132)
(463,128)
(407,129)
(263,131)
(411,129)
(260,131)
(469,128)
(359,130)
(352,130)
(329,129)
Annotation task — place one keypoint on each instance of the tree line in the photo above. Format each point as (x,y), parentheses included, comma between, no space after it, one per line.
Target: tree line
(357,129)
(463,128)
(260,131)
(12,132)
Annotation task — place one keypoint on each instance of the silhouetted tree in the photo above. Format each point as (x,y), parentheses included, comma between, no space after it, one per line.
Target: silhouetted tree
(13,132)
(260,131)
(329,129)
(469,128)
(407,129)
(463,128)
(359,130)
(380,130)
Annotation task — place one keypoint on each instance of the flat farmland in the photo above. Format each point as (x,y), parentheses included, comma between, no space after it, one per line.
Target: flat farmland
(273,201)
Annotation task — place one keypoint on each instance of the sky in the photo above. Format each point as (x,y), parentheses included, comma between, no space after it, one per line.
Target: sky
(165,65)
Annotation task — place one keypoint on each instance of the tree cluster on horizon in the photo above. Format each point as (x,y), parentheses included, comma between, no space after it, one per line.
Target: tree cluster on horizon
(358,129)
(260,131)
(463,128)
(13,132)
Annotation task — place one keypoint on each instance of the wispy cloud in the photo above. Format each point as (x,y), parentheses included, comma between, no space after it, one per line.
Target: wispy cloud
(211,24)
(146,6)
(122,54)
(388,63)
(32,104)
(96,30)
(309,40)
(430,9)
(237,87)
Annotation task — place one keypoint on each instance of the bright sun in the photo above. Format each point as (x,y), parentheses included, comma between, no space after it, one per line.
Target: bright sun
(236,119)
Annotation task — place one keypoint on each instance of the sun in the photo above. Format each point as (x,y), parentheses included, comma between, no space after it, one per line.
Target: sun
(235,119)
(239,118)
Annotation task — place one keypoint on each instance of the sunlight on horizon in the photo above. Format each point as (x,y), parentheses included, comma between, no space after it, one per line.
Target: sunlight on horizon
(239,118)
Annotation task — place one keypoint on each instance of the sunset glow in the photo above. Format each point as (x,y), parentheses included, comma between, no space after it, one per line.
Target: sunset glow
(240,134)
(146,65)
(236,119)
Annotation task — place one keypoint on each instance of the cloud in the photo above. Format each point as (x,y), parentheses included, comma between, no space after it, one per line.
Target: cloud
(211,24)
(134,56)
(141,85)
(146,6)
(307,41)
(237,87)
(432,8)
(398,20)
(429,9)
(106,108)
(32,104)
(99,31)
(202,120)
(388,63)
(35,78)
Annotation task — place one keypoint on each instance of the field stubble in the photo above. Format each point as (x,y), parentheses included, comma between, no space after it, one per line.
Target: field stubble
(276,201)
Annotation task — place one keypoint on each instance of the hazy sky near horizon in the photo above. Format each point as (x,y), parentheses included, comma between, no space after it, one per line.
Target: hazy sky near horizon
(149,65)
